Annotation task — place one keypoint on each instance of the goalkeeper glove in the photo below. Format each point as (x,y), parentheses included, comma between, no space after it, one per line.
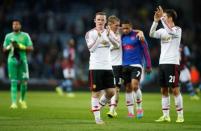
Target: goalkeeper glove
(19,46)
(16,53)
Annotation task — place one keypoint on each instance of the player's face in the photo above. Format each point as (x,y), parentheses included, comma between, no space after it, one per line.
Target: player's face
(126,28)
(16,26)
(100,21)
(115,26)
(168,19)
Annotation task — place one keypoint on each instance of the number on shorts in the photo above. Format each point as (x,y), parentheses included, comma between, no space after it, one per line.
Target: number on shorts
(172,79)
(138,74)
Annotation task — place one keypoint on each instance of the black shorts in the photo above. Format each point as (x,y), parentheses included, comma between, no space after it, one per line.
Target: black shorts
(101,79)
(117,71)
(130,72)
(169,75)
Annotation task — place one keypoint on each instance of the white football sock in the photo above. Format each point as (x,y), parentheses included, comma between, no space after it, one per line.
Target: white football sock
(138,97)
(130,102)
(165,105)
(179,104)
(103,100)
(113,103)
(95,107)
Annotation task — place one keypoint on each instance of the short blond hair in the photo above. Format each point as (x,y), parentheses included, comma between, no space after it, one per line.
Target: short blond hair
(112,19)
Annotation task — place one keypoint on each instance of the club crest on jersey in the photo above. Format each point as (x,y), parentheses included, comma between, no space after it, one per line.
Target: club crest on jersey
(166,39)
(133,37)
(21,39)
(104,42)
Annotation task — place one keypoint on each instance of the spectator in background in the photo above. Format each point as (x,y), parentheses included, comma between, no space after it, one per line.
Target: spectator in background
(68,69)
(185,76)
(2,70)
(195,77)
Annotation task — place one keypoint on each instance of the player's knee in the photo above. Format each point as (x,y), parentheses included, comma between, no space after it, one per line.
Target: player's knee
(164,91)
(129,89)
(135,88)
(135,85)
(109,95)
(117,90)
(176,91)
(96,94)
(23,82)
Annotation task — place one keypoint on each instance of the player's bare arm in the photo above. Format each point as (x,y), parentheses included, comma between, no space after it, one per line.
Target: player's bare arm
(153,32)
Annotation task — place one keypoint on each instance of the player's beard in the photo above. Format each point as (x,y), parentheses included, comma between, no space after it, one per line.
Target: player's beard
(16,30)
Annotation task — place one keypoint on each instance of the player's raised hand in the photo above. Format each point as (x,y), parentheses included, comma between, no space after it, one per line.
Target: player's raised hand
(140,35)
(160,11)
(156,16)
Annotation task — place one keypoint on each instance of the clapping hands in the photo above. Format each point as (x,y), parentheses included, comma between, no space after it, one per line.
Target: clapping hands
(158,14)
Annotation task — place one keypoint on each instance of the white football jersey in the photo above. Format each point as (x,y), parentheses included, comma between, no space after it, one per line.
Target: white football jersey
(170,42)
(116,51)
(99,47)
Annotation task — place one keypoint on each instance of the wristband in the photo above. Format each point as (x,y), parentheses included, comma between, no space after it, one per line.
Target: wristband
(22,47)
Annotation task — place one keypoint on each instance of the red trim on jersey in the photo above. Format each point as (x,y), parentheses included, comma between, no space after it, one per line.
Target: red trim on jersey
(142,41)
(176,68)
(91,79)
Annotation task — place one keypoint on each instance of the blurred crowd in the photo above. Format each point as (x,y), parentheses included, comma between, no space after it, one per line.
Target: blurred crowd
(52,23)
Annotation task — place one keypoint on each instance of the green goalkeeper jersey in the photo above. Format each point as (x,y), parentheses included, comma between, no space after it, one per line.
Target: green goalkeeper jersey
(21,38)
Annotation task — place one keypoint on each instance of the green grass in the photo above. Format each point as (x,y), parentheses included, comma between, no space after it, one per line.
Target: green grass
(48,111)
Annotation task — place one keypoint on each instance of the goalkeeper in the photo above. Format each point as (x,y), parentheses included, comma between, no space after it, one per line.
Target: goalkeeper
(17,44)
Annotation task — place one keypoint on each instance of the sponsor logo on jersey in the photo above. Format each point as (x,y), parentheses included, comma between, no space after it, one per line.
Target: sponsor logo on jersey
(128,47)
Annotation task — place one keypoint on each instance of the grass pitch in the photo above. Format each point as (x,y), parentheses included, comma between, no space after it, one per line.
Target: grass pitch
(49,112)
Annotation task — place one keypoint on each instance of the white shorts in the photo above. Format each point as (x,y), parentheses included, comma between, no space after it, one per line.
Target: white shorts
(69,73)
(185,75)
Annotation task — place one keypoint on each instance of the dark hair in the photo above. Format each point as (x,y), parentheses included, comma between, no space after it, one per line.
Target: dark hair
(171,13)
(101,13)
(127,22)
(17,20)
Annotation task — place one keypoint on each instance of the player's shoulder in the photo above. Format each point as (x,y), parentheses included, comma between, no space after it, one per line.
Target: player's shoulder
(161,30)
(9,34)
(25,33)
(177,28)
(90,33)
